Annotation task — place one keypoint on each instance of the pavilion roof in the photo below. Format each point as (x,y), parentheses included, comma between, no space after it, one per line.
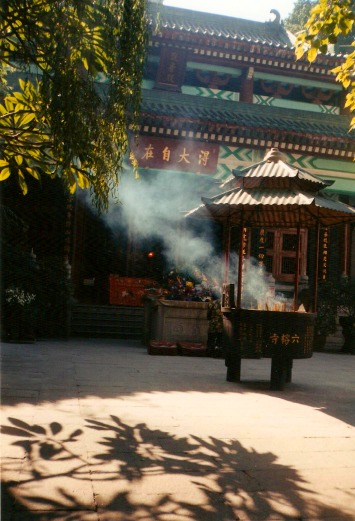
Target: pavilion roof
(298,202)
(274,172)
(257,208)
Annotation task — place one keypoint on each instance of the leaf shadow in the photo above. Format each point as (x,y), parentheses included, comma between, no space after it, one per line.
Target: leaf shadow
(220,478)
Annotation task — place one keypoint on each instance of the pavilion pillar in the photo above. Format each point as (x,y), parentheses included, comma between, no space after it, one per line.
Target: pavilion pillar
(344,249)
(226,248)
(240,266)
(247,85)
(316,270)
(297,274)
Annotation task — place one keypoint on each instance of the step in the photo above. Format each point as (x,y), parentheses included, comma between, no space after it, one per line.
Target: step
(107,321)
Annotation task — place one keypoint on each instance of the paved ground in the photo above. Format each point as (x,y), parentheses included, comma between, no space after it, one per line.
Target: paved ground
(98,430)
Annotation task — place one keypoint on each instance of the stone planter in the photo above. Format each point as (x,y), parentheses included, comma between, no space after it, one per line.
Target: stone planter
(175,321)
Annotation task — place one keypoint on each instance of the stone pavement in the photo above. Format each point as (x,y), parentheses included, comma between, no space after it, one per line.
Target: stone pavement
(98,430)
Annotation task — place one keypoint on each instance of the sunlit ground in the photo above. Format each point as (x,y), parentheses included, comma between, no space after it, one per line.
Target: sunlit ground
(107,434)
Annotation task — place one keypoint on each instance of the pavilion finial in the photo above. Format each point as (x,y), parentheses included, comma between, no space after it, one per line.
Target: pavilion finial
(274,156)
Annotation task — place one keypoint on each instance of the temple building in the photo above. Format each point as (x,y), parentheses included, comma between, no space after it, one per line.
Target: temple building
(218,94)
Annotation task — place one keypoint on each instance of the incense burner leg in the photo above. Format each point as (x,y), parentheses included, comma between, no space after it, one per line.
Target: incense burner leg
(231,343)
(289,365)
(280,372)
(234,369)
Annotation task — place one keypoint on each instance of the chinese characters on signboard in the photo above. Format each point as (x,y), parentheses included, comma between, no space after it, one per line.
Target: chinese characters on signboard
(324,253)
(171,72)
(176,154)
(261,252)
(244,242)
(244,246)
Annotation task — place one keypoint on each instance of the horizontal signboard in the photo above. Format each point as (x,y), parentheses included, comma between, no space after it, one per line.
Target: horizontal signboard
(176,154)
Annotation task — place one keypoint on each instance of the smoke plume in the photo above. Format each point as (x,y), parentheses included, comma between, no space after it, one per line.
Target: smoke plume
(153,207)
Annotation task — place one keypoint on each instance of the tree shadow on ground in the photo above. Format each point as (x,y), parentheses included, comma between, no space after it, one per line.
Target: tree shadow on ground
(142,474)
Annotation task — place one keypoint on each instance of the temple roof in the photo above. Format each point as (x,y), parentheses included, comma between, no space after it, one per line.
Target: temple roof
(219,26)
(236,41)
(242,114)
(228,121)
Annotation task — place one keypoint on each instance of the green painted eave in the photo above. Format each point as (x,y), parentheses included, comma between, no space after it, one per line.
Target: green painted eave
(294,80)
(341,186)
(213,67)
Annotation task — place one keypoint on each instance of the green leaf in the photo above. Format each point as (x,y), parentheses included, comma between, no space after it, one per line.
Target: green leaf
(19,159)
(33,173)
(4,174)
(312,54)
(22,183)
(27,118)
(83,181)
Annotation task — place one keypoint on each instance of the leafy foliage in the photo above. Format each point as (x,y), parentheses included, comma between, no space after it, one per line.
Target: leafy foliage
(297,19)
(346,297)
(82,67)
(38,291)
(334,298)
(327,309)
(42,288)
(329,21)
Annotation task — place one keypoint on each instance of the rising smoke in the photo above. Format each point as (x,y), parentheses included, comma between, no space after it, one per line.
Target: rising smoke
(154,206)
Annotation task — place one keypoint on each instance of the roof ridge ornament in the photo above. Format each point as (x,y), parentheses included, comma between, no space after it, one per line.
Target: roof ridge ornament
(277,19)
(274,156)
